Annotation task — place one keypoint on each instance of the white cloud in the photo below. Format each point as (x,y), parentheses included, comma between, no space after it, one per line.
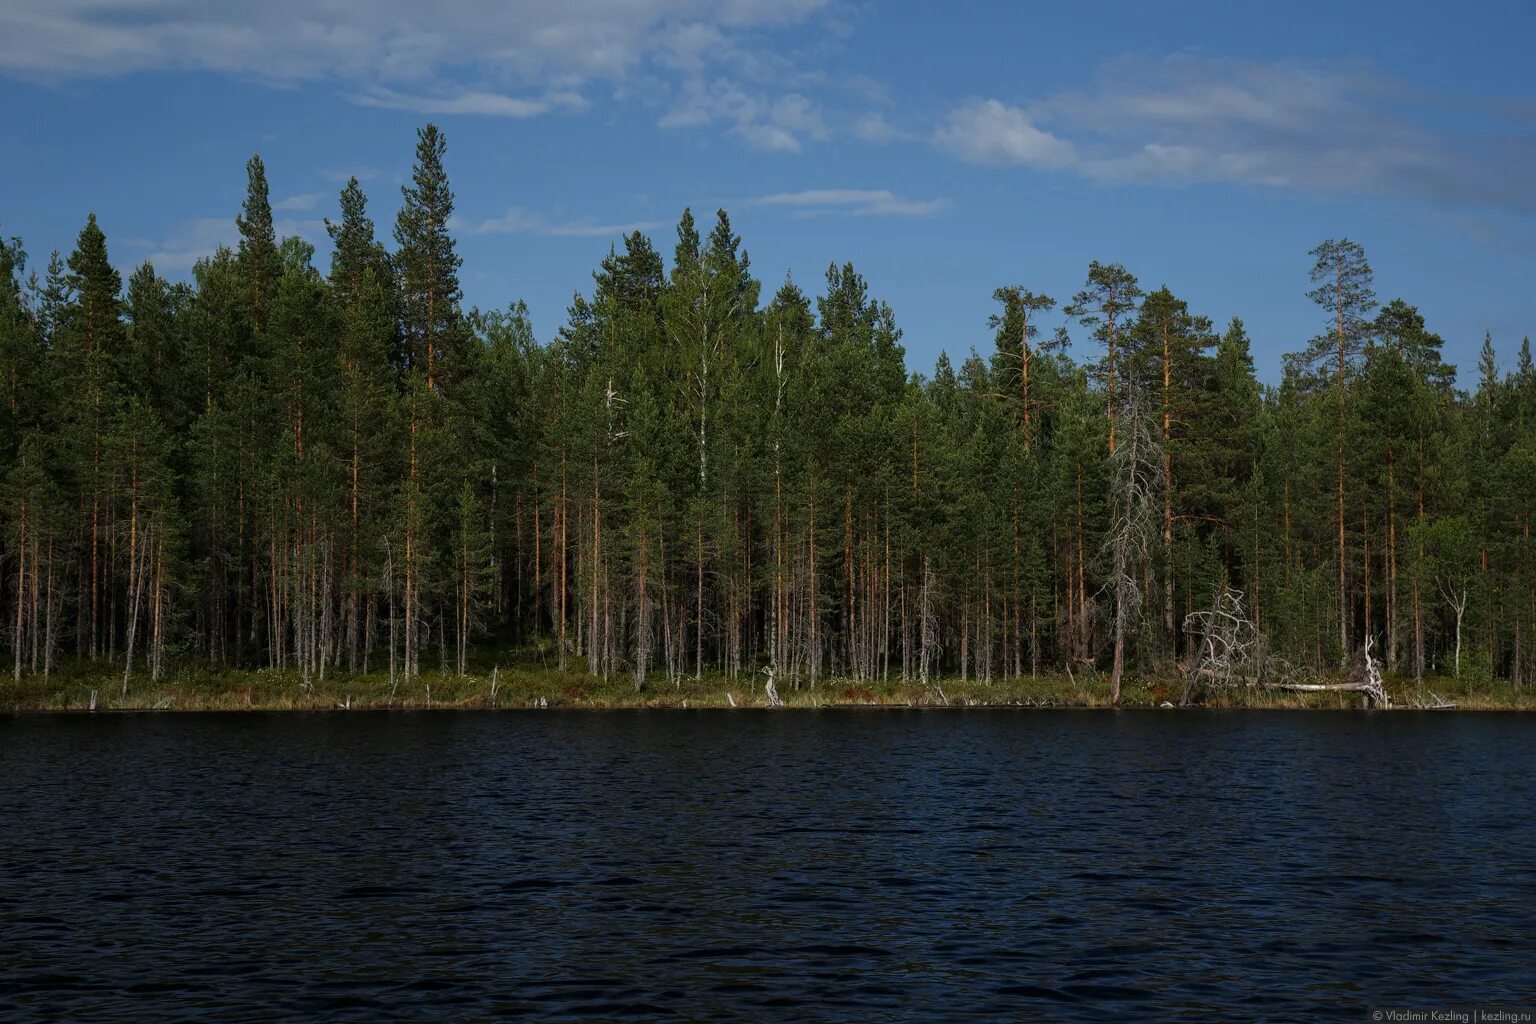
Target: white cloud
(493,58)
(873,127)
(519,221)
(1328,130)
(779,124)
(514,222)
(602,230)
(794,113)
(200,238)
(686,47)
(301,203)
(372,39)
(862,202)
(196,240)
(769,137)
(991,132)
(482,103)
(310,229)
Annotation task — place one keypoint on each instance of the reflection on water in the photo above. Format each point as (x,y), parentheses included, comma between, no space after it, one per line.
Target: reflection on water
(833,865)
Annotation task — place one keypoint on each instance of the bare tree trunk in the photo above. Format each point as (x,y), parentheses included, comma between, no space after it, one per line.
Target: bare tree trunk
(927,624)
(698,602)
(49,606)
(1339,460)
(1168,590)
(885,626)
(1393,635)
(642,615)
(1460,605)
(389,587)
(1138,467)
(813,652)
(136,572)
(157,631)
(564,547)
(594,649)
(538,559)
(36,586)
(21,578)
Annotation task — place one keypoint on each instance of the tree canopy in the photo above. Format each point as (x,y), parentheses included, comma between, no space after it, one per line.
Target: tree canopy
(271,466)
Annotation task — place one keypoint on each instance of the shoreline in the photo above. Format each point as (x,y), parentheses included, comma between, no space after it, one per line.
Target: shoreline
(47,712)
(550,689)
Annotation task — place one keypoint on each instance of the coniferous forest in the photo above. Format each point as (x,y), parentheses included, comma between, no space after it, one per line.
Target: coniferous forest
(329,470)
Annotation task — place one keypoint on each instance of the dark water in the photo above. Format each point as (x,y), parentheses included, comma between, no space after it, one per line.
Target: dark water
(830,866)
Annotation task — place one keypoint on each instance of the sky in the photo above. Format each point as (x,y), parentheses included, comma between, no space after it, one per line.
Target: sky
(943,149)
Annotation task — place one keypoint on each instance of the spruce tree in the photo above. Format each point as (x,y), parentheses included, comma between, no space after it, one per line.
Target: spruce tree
(20,351)
(260,263)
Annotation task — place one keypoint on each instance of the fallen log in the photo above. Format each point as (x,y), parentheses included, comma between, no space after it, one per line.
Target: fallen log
(1361,687)
(1251,681)
(1210,673)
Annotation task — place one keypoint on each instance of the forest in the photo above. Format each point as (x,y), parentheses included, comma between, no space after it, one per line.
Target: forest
(329,471)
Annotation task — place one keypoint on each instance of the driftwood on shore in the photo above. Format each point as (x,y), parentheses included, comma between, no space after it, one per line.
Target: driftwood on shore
(771,690)
(1367,682)
(1229,652)
(1252,682)
(1229,645)
(1375,696)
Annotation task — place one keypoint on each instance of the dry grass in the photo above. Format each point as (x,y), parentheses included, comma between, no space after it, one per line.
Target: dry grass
(537,687)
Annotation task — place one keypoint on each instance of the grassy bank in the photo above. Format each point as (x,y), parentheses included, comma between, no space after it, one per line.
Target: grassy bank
(535,687)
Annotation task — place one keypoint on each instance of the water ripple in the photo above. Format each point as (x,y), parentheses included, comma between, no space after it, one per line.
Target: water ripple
(969,866)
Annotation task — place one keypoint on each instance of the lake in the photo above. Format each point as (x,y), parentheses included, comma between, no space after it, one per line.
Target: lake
(847,865)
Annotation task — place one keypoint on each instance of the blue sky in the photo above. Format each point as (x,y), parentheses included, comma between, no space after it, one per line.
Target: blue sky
(943,148)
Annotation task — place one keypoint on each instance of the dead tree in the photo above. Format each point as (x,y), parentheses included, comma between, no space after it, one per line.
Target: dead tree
(1455,592)
(1368,683)
(138,573)
(1375,691)
(1228,647)
(928,626)
(772,691)
(1138,468)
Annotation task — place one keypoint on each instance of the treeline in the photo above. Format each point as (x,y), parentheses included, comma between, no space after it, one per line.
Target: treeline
(343,471)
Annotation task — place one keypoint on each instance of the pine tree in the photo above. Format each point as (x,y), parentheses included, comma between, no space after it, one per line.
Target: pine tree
(147,523)
(155,363)
(1165,359)
(1344,291)
(267,467)
(20,351)
(90,348)
(1235,427)
(364,312)
(1110,293)
(1017,329)
(473,570)
(36,542)
(429,267)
